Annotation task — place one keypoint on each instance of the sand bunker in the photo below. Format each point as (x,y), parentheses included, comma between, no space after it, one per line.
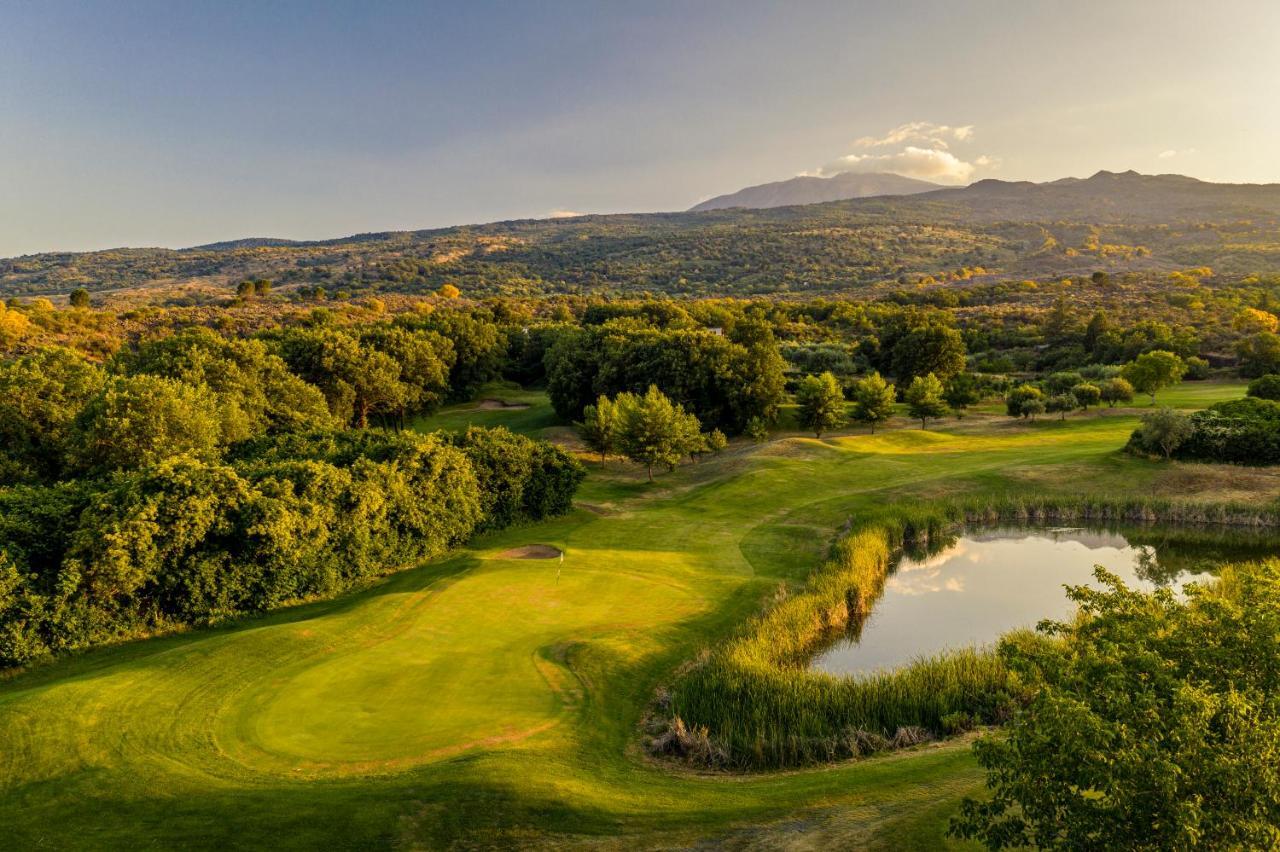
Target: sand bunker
(531,551)
(499,405)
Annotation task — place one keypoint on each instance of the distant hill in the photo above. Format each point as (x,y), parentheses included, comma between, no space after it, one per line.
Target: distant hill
(246,242)
(1110,221)
(1111,197)
(815,190)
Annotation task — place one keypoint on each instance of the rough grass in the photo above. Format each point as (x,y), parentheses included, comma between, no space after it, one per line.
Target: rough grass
(477,703)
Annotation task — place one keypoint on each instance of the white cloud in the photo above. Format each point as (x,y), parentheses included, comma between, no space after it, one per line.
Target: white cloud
(936,135)
(564,214)
(1173,152)
(925,163)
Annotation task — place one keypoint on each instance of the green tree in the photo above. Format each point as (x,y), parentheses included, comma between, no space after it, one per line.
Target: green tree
(757,430)
(873,400)
(961,391)
(599,426)
(924,399)
(356,380)
(1165,430)
(716,441)
(40,395)
(137,421)
(932,348)
(79,298)
(1116,390)
(1016,402)
(1087,394)
(1151,723)
(821,403)
(256,391)
(1153,371)
(1061,404)
(653,430)
(1259,354)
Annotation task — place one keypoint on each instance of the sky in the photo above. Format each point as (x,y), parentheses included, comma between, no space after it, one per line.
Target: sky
(174,124)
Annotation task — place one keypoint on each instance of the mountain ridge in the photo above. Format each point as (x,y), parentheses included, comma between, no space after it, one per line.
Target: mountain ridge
(809,189)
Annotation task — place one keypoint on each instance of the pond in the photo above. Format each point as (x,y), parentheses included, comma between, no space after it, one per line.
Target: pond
(986,582)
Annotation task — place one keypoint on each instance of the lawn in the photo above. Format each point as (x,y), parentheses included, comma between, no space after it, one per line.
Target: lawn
(486,701)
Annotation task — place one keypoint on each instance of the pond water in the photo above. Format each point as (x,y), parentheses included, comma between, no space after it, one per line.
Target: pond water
(990,581)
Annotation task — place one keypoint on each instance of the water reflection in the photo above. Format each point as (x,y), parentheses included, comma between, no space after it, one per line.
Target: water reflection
(983,583)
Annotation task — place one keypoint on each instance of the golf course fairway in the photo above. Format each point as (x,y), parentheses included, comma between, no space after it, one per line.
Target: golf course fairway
(485,701)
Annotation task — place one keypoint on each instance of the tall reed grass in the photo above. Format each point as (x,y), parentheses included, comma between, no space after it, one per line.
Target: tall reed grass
(755,703)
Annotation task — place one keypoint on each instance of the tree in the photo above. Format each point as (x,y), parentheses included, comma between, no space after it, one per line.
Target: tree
(1116,390)
(716,441)
(79,298)
(1151,723)
(1019,398)
(1165,429)
(137,421)
(1032,407)
(1259,354)
(356,380)
(1254,321)
(961,391)
(1062,382)
(653,430)
(757,430)
(40,395)
(924,399)
(1087,394)
(256,391)
(932,348)
(1061,404)
(873,400)
(599,426)
(821,403)
(448,291)
(1152,371)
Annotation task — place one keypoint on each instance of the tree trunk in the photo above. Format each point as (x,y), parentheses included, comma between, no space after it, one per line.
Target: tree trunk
(651,473)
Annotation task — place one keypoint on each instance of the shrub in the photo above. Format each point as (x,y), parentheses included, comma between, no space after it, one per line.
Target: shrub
(1265,387)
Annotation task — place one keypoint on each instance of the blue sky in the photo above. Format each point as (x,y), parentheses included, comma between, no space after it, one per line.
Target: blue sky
(140,123)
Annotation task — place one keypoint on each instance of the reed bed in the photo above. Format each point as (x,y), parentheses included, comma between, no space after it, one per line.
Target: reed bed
(753,704)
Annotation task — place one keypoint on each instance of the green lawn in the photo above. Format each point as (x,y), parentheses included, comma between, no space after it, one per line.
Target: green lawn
(484,701)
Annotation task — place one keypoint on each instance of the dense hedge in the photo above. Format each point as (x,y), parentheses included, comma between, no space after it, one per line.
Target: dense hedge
(187,541)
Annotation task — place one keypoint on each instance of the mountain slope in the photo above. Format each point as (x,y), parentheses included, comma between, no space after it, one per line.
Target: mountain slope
(1111,197)
(815,190)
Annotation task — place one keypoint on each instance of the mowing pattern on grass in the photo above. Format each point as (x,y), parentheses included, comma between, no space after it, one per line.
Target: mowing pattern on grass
(754,704)
(477,703)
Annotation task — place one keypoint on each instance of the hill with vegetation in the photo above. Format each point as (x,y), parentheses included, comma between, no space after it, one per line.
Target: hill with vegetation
(990,230)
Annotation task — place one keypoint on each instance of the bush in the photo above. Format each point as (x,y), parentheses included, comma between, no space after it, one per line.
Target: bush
(1265,387)
(189,541)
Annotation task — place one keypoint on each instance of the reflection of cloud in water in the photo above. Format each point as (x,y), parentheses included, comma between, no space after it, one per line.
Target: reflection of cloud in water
(924,582)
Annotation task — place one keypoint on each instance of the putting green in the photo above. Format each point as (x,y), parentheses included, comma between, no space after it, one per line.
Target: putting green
(490,701)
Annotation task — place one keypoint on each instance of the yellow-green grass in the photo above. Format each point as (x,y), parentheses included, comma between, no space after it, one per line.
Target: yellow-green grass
(534,419)
(485,702)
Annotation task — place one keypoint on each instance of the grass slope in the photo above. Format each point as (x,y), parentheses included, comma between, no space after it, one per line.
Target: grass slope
(480,701)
